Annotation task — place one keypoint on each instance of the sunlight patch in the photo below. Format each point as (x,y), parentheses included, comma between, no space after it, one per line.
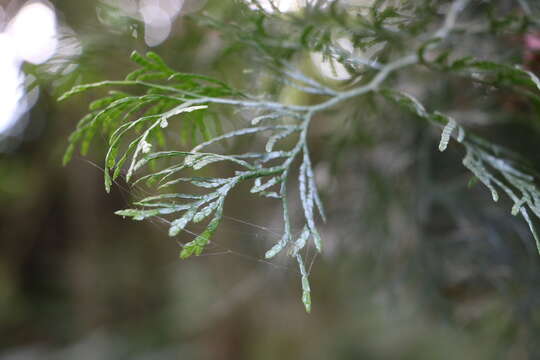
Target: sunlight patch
(271,6)
(31,36)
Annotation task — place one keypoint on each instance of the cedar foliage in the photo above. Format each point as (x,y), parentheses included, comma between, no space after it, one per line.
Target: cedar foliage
(389,39)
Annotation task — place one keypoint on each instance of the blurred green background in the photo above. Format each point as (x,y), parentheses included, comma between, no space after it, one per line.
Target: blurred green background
(416,265)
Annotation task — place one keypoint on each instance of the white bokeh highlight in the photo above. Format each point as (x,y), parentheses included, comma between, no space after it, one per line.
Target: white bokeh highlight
(282,5)
(158,16)
(11,92)
(34,33)
(31,36)
(157,24)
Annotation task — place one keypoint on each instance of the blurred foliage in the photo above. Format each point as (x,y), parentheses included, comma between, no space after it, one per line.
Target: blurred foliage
(418,261)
